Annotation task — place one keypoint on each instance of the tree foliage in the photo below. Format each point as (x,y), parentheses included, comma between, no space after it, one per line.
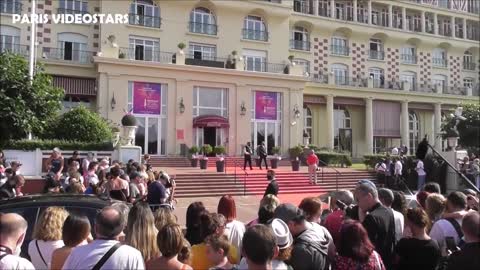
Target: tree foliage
(25,107)
(469,129)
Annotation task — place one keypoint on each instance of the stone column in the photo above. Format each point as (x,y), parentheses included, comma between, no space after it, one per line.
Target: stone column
(390,16)
(435,24)
(315,7)
(404,18)
(355,10)
(404,131)
(423,21)
(369,11)
(452,25)
(330,125)
(437,123)
(369,125)
(332,8)
(464,28)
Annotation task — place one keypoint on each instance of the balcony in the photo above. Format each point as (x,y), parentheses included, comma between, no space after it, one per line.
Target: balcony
(203,28)
(216,62)
(408,59)
(300,45)
(302,7)
(10,7)
(144,20)
(254,34)
(339,50)
(74,56)
(376,55)
(71,11)
(145,55)
(265,67)
(439,62)
(348,81)
(14,48)
(468,66)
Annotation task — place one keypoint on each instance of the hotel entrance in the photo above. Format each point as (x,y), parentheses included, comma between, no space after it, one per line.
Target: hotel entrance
(210,129)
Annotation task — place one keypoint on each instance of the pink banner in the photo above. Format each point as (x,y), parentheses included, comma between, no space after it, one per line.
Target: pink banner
(146,98)
(266,105)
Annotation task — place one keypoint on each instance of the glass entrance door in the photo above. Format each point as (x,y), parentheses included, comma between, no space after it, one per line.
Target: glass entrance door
(148,135)
(268,132)
(345,139)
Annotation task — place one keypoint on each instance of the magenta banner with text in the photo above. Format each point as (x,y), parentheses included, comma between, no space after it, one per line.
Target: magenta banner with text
(146,98)
(266,105)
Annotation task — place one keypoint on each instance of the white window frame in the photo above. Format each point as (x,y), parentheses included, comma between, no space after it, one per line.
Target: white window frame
(153,44)
(439,79)
(307,115)
(439,57)
(342,119)
(378,76)
(79,46)
(258,60)
(150,16)
(10,38)
(74,6)
(255,27)
(377,54)
(222,108)
(208,51)
(340,45)
(468,59)
(413,131)
(468,82)
(409,55)
(10,6)
(203,21)
(302,43)
(340,74)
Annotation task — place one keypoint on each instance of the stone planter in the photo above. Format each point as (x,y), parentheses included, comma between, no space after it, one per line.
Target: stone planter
(129,135)
(203,164)
(220,165)
(295,165)
(274,163)
(194,162)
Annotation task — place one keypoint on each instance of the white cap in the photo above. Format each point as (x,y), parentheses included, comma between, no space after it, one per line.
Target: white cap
(282,233)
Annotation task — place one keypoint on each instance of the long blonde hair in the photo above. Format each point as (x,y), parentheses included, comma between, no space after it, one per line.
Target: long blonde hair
(50,224)
(141,232)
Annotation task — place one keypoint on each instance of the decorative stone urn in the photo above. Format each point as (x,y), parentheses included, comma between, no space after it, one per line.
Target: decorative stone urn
(129,124)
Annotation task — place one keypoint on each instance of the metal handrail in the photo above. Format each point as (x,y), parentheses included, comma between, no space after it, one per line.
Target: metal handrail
(337,172)
(245,177)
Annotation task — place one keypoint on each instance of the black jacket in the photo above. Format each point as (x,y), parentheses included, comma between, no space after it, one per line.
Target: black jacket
(465,259)
(272,188)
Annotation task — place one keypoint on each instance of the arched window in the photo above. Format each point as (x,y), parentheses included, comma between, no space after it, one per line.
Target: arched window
(307,122)
(203,21)
(439,57)
(440,82)
(468,61)
(145,13)
(414,131)
(254,28)
(339,45)
(409,54)
(410,77)
(340,74)
(378,77)
(71,47)
(300,39)
(376,49)
(9,39)
(342,128)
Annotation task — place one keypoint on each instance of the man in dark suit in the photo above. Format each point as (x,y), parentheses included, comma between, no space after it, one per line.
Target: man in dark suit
(272,187)
(262,154)
(247,156)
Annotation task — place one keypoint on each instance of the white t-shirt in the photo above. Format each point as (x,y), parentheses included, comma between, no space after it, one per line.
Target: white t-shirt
(399,223)
(12,262)
(276,265)
(398,168)
(234,231)
(85,257)
(420,169)
(46,248)
(441,229)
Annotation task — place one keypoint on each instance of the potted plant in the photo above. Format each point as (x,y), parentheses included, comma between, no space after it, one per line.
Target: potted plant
(295,153)
(121,55)
(450,132)
(206,149)
(220,152)
(129,123)
(276,157)
(181,46)
(193,155)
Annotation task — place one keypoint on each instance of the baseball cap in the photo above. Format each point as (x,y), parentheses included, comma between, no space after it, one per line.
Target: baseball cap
(15,163)
(288,212)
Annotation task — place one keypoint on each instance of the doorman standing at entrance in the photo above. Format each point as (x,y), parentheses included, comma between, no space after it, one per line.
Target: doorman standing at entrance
(262,154)
(247,156)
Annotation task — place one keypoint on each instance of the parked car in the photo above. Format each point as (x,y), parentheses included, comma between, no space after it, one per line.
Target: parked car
(30,207)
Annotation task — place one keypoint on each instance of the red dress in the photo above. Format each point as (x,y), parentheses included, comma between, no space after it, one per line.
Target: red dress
(345,263)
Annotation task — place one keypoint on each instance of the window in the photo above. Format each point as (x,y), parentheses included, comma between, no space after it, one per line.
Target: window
(210,101)
(255,60)
(414,131)
(144,13)
(202,21)
(9,39)
(468,82)
(144,49)
(202,51)
(10,6)
(409,77)
(409,55)
(307,122)
(440,82)
(254,28)
(342,121)
(305,64)
(439,58)
(378,78)
(73,7)
(302,6)
(71,47)
(376,49)
(266,130)
(468,61)
(339,46)
(300,39)
(340,73)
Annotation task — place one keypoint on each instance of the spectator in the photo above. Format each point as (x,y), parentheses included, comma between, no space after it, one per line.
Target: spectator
(3,159)
(10,188)
(75,232)
(399,203)
(74,157)
(420,251)
(103,165)
(193,223)
(266,209)
(340,202)
(472,202)
(185,255)
(170,185)
(381,169)
(312,208)
(434,206)
(312,243)
(312,162)
(73,175)
(355,251)
(164,216)
(86,163)
(146,159)
(55,164)
(51,186)
(259,247)
(156,194)
(234,229)
(212,224)
(75,187)
(109,224)
(377,220)
(398,170)
(422,198)
(91,180)
(47,236)
(124,210)
(15,167)
(272,187)
(422,175)
(217,251)
(13,229)
(467,258)
(137,189)
(450,227)
(116,187)
(386,197)
(475,172)
(140,232)
(432,187)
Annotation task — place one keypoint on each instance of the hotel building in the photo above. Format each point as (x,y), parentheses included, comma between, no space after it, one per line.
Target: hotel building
(365,75)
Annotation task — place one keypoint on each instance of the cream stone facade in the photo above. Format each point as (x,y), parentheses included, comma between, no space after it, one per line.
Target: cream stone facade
(367,75)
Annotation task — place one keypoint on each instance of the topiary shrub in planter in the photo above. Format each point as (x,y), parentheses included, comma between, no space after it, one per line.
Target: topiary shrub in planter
(295,153)
(129,120)
(206,150)
(219,152)
(193,151)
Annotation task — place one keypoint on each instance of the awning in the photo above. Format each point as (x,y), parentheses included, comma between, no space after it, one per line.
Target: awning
(386,119)
(76,86)
(210,121)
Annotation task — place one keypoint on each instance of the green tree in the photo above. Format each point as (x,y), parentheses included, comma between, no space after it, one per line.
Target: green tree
(80,124)
(25,107)
(469,129)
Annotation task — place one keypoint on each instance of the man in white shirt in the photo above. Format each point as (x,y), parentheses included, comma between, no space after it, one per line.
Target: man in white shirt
(109,224)
(397,174)
(450,227)
(422,175)
(13,228)
(386,197)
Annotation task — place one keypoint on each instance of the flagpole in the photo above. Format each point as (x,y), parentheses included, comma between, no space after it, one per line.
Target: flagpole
(33,38)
